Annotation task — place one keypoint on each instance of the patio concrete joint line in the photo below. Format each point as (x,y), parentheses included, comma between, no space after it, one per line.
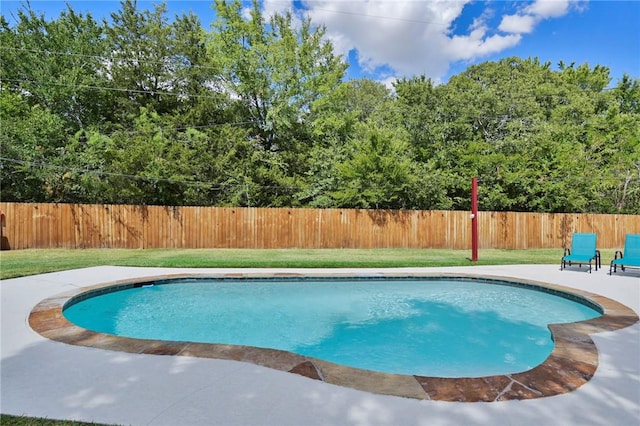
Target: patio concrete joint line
(510,386)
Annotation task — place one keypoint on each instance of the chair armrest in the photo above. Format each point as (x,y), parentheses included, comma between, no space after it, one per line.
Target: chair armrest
(567,251)
(618,255)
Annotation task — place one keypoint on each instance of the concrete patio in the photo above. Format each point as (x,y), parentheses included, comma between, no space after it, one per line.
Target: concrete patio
(45,378)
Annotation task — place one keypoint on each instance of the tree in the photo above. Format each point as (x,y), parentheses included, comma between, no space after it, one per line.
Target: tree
(533,136)
(56,64)
(615,136)
(335,118)
(48,70)
(33,142)
(276,71)
(151,110)
(377,172)
(142,61)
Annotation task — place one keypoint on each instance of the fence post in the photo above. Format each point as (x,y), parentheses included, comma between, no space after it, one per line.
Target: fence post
(3,245)
(474,219)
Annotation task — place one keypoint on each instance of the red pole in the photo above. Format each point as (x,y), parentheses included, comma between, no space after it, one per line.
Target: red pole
(474,219)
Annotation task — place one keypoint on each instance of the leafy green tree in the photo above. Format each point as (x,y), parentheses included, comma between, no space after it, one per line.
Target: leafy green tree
(201,99)
(334,120)
(418,106)
(276,70)
(615,143)
(377,172)
(55,64)
(141,63)
(151,110)
(533,136)
(32,141)
(335,115)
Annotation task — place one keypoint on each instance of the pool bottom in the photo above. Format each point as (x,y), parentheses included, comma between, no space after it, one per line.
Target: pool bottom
(572,363)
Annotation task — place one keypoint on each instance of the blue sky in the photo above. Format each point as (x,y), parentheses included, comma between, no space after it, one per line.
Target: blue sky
(390,39)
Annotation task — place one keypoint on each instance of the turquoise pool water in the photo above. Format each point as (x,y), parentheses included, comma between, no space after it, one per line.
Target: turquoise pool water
(444,327)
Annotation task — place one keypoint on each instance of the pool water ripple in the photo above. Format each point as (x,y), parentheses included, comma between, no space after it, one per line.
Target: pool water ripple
(439,328)
(572,362)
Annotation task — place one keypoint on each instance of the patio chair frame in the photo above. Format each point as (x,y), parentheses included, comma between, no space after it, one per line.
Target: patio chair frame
(631,243)
(567,257)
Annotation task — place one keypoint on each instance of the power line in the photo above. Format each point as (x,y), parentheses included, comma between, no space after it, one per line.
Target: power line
(164,128)
(509,96)
(211,185)
(446,116)
(114,89)
(390,18)
(216,185)
(106,58)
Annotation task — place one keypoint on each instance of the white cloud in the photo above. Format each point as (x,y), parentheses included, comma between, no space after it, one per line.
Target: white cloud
(409,36)
(388,82)
(517,24)
(526,21)
(271,7)
(413,37)
(468,48)
(548,8)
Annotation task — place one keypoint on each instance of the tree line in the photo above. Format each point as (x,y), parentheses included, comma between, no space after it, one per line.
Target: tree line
(142,108)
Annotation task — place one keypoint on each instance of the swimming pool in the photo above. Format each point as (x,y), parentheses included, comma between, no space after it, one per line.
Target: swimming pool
(571,364)
(431,326)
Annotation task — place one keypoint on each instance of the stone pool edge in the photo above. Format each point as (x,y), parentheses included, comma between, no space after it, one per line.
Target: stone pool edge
(572,363)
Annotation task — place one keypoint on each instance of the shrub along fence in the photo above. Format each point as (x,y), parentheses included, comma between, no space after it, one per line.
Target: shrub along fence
(29,225)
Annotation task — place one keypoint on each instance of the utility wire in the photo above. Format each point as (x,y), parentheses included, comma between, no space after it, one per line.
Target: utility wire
(212,185)
(170,60)
(509,96)
(167,61)
(388,18)
(168,129)
(113,89)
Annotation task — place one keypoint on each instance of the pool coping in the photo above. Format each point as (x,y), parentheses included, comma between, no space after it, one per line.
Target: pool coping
(571,364)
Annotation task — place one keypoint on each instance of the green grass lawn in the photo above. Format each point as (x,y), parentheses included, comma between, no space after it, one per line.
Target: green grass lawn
(16,263)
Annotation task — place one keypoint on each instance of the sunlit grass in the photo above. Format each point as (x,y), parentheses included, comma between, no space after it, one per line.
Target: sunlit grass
(16,263)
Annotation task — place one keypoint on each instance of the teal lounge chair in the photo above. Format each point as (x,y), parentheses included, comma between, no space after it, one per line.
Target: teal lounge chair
(583,250)
(630,256)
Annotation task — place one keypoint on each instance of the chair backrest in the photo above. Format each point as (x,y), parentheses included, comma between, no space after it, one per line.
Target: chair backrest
(632,246)
(583,244)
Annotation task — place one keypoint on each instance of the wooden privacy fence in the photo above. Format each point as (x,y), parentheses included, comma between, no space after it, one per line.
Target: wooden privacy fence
(27,225)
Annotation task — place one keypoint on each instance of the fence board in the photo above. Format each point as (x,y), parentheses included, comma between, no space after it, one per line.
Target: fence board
(32,225)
